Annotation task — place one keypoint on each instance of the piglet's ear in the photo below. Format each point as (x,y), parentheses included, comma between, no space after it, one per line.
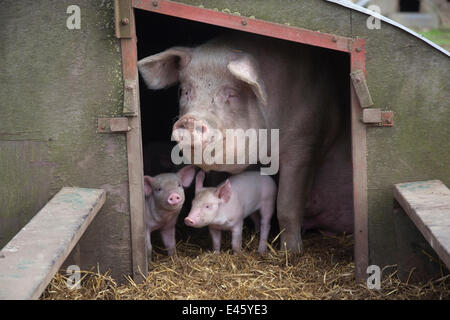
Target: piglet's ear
(224,191)
(186,174)
(199,181)
(245,69)
(162,70)
(147,185)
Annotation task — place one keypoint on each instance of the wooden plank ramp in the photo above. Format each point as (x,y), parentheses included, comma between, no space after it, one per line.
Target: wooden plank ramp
(427,203)
(31,259)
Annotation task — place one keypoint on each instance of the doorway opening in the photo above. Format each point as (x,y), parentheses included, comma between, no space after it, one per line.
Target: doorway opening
(190,26)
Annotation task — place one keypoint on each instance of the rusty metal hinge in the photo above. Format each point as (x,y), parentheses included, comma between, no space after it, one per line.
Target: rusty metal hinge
(376,117)
(112,125)
(361,89)
(370,116)
(122,18)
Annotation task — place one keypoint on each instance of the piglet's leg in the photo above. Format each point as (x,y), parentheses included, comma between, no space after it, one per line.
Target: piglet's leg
(168,238)
(266,211)
(216,236)
(149,245)
(236,238)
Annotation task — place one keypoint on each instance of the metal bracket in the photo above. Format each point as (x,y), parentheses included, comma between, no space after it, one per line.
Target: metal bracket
(361,89)
(112,125)
(379,118)
(122,18)
(130,98)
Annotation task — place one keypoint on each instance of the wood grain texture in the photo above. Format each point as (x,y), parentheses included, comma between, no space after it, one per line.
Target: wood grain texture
(29,261)
(427,203)
(359,162)
(135,161)
(55,83)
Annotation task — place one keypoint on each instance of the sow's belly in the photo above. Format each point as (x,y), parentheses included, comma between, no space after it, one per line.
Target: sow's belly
(330,204)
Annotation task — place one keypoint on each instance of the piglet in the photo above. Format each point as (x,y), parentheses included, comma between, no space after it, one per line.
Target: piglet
(226,206)
(164,198)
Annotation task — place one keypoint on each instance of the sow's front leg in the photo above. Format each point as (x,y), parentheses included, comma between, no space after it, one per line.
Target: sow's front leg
(294,182)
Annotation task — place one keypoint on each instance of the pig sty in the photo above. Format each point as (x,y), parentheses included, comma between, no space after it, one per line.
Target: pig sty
(247,81)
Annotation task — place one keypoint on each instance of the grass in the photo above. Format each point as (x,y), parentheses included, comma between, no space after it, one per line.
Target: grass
(439,36)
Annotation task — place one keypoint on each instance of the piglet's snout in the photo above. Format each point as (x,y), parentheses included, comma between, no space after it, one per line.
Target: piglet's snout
(174,199)
(193,219)
(188,221)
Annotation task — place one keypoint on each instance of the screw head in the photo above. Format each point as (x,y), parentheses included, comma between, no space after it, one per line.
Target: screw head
(155,3)
(244,23)
(125,21)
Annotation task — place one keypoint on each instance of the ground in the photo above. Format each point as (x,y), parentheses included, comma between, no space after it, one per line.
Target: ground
(325,271)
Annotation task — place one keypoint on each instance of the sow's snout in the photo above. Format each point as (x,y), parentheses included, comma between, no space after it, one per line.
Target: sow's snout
(192,128)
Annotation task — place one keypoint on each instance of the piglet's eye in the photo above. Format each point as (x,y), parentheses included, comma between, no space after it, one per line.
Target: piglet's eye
(179,185)
(159,189)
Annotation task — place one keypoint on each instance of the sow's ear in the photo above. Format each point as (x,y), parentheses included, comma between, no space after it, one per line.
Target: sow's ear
(186,174)
(147,186)
(162,70)
(224,191)
(245,69)
(199,181)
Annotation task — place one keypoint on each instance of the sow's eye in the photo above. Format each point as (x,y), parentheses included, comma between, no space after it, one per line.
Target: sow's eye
(184,93)
(230,93)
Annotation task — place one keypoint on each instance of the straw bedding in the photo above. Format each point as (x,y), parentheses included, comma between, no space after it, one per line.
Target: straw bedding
(324,271)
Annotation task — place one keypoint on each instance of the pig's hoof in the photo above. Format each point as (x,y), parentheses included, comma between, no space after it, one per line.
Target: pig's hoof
(295,249)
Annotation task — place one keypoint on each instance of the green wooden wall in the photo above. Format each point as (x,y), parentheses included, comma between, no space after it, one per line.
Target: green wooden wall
(405,75)
(55,83)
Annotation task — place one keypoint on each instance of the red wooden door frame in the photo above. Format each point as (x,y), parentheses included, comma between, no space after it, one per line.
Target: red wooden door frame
(354,47)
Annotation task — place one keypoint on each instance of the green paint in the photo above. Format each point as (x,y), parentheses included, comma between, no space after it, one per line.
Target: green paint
(75,200)
(414,186)
(25,264)
(12,275)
